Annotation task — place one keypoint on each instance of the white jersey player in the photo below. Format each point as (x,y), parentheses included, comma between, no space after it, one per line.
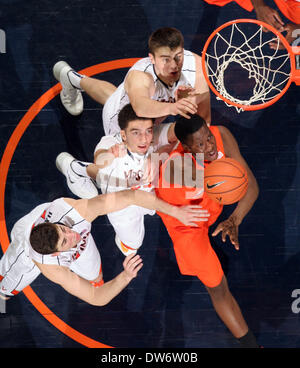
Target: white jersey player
(152,85)
(122,162)
(161,91)
(55,239)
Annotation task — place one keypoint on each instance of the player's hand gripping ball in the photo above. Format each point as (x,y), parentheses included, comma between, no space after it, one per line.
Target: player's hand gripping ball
(225,181)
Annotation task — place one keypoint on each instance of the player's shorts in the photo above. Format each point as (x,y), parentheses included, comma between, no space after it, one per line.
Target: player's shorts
(17,270)
(129,225)
(195,255)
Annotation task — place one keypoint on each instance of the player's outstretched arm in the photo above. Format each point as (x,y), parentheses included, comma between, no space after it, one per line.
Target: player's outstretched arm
(232,150)
(84,290)
(103,204)
(268,14)
(140,87)
(203,98)
(230,226)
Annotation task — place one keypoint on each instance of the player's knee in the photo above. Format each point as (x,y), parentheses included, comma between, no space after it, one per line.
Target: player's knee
(220,291)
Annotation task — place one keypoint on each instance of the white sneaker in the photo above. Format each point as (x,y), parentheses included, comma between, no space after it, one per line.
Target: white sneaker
(123,248)
(70,96)
(81,186)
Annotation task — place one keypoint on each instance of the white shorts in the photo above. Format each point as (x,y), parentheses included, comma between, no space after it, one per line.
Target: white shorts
(129,225)
(17,270)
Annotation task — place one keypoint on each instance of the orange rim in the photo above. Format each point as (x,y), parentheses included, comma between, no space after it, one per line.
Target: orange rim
(294,73)
(4,167)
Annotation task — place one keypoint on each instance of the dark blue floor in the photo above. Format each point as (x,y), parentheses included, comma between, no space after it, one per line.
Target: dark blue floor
(161,308)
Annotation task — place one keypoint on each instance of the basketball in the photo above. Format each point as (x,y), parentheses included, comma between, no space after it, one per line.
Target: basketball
(225,181)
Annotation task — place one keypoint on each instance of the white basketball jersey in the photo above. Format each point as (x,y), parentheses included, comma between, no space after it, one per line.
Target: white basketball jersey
(163,92)
(61,212)
(124,172)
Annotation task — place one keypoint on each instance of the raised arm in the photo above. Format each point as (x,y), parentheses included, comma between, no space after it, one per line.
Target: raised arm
(84,290)
(102,204)
(230,226)
(140,88)
(199,95)
(232,150)
(203,97)
(268,14)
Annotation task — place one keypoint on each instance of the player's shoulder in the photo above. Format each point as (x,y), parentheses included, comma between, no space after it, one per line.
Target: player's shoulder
(139,75)
(110,140)
(225,132)
(143,68)
(198,65)
(229,142)
(70,201)
(190,53)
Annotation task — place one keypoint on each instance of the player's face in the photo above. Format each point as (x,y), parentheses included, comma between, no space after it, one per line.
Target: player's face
(168,63)
(138,136)
(203,141)
(68,238)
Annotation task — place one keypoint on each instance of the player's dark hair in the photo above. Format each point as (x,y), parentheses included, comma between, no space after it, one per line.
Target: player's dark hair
(165,37)
(184,127)
(126,115)
(44,238)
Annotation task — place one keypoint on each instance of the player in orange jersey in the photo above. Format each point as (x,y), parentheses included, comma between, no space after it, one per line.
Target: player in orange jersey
(289,8)
(194,253)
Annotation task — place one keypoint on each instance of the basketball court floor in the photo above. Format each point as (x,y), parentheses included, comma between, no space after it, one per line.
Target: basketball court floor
(160,308)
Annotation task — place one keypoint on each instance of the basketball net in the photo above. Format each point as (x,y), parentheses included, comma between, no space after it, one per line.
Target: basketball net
(269,69)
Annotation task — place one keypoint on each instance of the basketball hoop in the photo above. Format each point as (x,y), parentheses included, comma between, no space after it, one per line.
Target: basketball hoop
(241,68)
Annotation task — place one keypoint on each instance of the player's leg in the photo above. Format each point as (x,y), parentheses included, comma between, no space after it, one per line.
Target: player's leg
(227,308)
(82,176)
(195,256)
(79,175)
(97,89)
(129,227)
(223,301)
(74,83)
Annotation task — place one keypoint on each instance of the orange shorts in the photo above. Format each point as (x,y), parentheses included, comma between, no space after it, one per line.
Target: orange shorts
(195,255)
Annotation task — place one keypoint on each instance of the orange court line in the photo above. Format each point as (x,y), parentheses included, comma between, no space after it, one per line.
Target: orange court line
(4,167)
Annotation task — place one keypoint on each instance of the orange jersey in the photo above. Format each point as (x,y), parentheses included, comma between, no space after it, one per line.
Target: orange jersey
(193,251)
(182,196)
(246,4)
(289,8)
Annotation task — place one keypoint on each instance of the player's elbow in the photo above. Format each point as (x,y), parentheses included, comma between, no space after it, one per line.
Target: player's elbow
(138,105)
(138,109)
(254,189)
(99,296)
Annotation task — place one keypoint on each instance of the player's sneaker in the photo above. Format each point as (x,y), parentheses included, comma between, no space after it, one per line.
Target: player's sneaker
(80,185)
(124,248)
(71,97)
